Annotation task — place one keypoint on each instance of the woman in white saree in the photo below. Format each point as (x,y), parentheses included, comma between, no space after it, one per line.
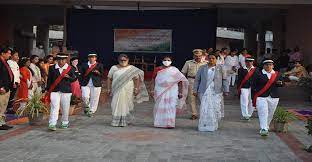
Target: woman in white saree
(210,84)
(170,92)
(126,85)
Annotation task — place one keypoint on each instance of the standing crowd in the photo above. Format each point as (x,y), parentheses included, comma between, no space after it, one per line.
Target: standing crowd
(204,81)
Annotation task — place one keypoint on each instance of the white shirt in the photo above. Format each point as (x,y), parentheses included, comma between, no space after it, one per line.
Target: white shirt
(231,61)
(220,60)
(15,69)
(267,73)
(90,84)
(245,67)
(61,69)
(241,60)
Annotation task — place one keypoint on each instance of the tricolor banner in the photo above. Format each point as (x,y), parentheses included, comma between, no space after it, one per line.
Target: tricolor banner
(143,40)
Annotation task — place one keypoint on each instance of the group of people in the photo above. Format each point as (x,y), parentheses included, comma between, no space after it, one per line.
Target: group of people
(210,79)
(204,80)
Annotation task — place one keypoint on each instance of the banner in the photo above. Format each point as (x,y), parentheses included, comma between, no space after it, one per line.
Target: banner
(143,40)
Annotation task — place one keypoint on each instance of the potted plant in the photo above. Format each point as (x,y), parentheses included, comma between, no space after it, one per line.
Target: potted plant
(281,119)
(309,127)
(35,109)
(306,84)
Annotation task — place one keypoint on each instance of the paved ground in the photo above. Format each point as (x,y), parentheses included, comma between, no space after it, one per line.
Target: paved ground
(93,139)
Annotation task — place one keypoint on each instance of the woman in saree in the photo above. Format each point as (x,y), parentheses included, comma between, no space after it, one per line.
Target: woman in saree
(170,91)
(210,84)
(25,89)
(126,85)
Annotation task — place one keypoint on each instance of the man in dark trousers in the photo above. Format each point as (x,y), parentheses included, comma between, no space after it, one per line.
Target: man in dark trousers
(6,83)
(91,84)
(60,77)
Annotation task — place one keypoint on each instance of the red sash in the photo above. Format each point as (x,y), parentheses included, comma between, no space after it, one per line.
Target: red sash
(246,78)
(8,68)
(265,88)
(90,69)
(46,99)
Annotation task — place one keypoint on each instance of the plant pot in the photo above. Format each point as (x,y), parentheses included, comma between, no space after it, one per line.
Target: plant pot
(281,127)
(37,120)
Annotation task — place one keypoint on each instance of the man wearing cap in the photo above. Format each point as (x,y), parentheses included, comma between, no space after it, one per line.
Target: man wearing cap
(245,75)
(60,77)
(264,87)
(91,84)
(6,83)
(190,69)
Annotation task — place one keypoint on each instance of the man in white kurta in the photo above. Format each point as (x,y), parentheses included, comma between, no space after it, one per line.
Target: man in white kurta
(231,65)
(13,63)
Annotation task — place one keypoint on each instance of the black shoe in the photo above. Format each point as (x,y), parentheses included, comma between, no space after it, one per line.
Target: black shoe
(5,127)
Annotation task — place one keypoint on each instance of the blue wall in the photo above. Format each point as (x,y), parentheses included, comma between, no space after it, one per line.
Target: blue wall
(92,31)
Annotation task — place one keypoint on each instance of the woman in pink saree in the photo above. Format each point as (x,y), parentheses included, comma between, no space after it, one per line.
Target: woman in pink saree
(170,92)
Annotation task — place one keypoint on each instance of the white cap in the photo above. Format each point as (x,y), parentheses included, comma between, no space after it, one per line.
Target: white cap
(62,55)
(92,54)
(268,61)
(249,59)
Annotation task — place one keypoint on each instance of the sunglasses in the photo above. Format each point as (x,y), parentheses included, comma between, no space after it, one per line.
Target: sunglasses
(123,60)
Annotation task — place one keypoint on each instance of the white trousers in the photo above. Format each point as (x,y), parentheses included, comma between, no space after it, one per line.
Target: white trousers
(266,107)
(231,79)
(59,99)
(246,102)
(294,78)
(90,97)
